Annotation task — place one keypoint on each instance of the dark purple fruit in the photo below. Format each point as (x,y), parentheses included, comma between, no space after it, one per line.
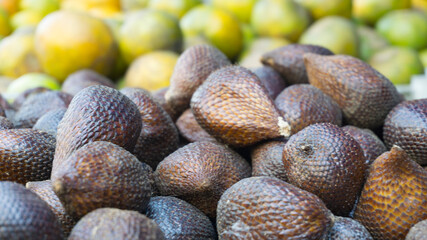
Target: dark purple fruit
(180,220)
(20,99)
(364,95)
(190,129)
(102,174)
(49,122)
(302,105)
(348,229)
(192,68)
(159,97)
(371,145)
(268,208)
(83,79)
(267,160)
(394,197)
(289,62)
(116,224)
(23,215)
(233,106)
(324,160)
(25,155)
(159,136)
(406,127)
(271,80)
(97,113)
(45,191)
(37,105)
(199,173)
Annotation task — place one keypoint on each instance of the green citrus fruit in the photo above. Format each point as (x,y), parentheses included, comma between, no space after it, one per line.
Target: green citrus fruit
(406,28)
(397,63)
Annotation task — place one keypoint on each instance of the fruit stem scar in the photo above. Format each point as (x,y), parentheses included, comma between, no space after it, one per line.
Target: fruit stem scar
(284,127)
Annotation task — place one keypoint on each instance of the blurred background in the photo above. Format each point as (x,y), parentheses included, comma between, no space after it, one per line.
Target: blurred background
(136,43)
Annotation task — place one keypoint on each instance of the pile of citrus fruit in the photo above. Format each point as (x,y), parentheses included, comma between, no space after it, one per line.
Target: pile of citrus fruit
(137,42)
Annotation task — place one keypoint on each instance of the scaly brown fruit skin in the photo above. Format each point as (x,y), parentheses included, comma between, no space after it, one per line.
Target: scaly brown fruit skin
(83,79)
(45,191)
(364,95)
(199,173)
(233,106)
(180,220)
(190,129)
(49,122)
(406,127)
(102,174)
(271,80)
(302,105)
(348,229)
(23,215)
(372,146)
(267,160)
(192,68)
(418,231)
(268,208)
(5,123)
(159,136)
(394,197)
(37,105)
(25,155)
(325,161)
(289,62)
(113,224)
(97,113)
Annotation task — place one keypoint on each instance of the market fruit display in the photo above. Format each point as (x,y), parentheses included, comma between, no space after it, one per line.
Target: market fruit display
(212,119)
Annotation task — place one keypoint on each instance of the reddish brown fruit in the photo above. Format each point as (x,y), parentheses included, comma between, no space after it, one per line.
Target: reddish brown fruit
(394,197)
(348,229)
(97,113)
(5,123)
(267,160)
(45,191)
(112,223)
(289,62)
(364,95)
(268,208)
(83,79)
(234,107)
(192,68)
(302,105)
(190,129)
(199,173)
(406,127)
(324,160)
(159,136)
(25,216)
(371,145)
(102,174)
(271,80)
(37,105)
(418,231)
(180,220)
(25,155)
